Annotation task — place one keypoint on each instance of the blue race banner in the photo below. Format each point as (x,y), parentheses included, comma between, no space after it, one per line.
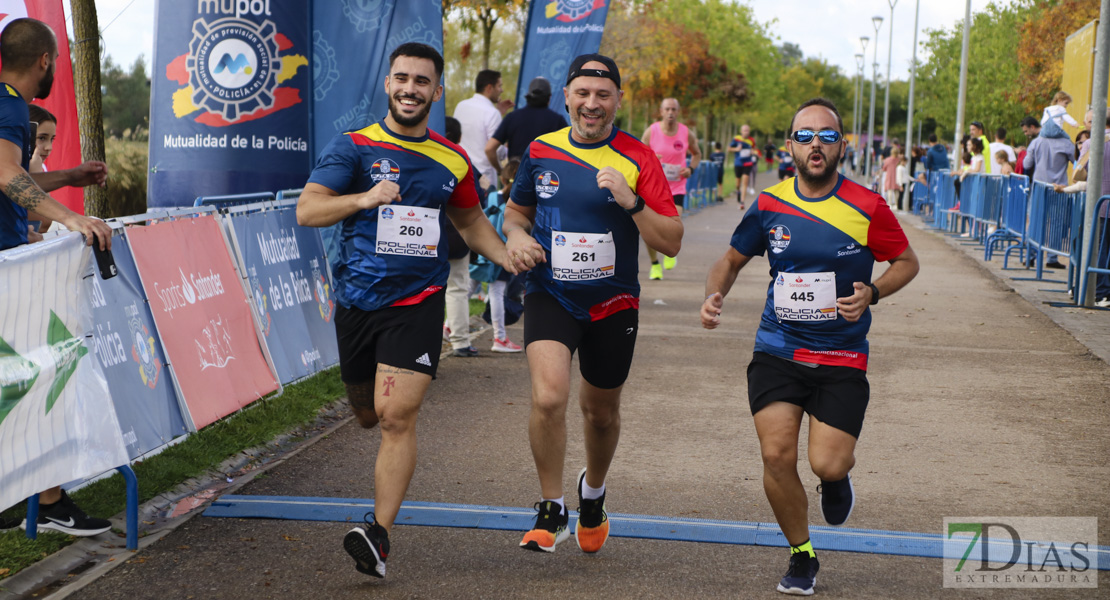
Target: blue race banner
(350,60)
(229,106)
(287,274)
(126,344)
(558,31)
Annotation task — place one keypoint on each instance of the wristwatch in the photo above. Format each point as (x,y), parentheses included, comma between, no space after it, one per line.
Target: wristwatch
(637,207)
(874,293)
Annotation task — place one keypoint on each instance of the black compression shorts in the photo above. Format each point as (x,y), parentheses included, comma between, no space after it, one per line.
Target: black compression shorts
(836,396)
(604,346)
(406,337)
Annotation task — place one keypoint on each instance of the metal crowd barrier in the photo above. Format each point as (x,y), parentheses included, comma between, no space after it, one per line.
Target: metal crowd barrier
(1099,264)
(1010,233)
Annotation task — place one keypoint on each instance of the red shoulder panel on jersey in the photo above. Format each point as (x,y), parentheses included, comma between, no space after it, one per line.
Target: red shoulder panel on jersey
(858,196)
(768,203)
(361,140)
(539,149)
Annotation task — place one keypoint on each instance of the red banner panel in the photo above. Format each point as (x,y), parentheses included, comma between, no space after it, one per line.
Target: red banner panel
(202,315)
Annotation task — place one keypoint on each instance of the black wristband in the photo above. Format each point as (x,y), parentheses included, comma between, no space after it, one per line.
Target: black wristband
(874,293)
(638,206)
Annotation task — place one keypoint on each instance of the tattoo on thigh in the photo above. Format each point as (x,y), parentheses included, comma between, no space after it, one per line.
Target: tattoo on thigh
(361,396)
(394,370)
(388,385)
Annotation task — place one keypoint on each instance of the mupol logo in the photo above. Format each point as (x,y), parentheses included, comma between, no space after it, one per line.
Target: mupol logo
(568,11)
(560,240)
(235,65)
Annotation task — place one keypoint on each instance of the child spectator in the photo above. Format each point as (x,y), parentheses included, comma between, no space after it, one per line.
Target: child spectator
(1054,114)
(1005,166)
(497,277)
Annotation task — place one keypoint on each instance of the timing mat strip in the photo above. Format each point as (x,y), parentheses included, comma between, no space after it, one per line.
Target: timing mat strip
(507,518)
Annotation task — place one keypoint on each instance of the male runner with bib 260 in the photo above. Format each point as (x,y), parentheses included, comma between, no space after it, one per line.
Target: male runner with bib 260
(586,194)
(391,185)
(824,234)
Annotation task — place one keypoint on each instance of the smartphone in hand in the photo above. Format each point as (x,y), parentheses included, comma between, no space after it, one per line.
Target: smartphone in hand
(104,262)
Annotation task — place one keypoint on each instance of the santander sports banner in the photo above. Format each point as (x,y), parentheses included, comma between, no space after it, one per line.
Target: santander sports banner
(558,31)
(351,44)
(126,343)
(61,103)
(229,98)
(287,276)
(57,421)
(202,315)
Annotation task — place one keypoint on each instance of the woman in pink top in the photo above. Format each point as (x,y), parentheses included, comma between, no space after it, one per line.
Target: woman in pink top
(890,183)
(671,141)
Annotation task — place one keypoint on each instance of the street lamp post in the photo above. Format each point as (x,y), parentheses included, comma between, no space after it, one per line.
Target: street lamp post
(878,22)
(857,109)
(909,110)
(889,52)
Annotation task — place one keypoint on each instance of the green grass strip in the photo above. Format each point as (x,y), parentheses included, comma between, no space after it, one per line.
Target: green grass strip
(258,424)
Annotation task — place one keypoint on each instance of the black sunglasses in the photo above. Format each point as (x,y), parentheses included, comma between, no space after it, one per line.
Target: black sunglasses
(805,136)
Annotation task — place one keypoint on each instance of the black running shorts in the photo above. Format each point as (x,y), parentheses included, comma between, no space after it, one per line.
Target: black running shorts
(836,396)
(680,200)
(406,337)
(741,171)
(604,346)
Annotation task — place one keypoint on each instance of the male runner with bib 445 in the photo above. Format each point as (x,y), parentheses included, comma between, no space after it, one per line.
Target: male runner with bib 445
(825,234)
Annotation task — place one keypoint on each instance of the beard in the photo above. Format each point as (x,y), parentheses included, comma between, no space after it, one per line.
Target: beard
(817,177)
(45,85)
(406,121)
(595,132)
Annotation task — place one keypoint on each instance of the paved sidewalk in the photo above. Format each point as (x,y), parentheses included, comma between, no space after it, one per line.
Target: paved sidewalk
(984,402)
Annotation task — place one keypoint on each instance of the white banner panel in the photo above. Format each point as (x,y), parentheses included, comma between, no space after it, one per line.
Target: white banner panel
(57,422)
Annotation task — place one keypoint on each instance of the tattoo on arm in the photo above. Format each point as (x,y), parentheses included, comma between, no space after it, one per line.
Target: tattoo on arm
(394,370)
(24,192)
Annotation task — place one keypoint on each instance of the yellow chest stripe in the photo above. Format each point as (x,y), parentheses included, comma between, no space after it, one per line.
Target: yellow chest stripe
(835,212)
(598,158)
(436,152)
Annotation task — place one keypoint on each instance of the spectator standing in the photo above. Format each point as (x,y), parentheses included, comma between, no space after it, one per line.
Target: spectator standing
(480,118)
(1048,158)
(456,327)
(936,157)
(718,158)
(1005,167)
(28,52)
(976,129)
(523,125)
(1102,282)
(999,144)
(1031,128)
(890,177)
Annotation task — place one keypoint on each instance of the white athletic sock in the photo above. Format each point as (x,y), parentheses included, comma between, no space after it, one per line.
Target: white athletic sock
(589,493)
(559,501)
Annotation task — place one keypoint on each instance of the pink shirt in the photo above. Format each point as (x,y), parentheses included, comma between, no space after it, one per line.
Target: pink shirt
(671,150)
(890,167)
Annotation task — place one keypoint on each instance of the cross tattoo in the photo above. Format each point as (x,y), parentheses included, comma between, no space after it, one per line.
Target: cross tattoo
(388,385)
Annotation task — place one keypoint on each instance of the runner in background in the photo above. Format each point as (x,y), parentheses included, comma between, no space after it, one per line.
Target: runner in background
(747,157)
(672,142)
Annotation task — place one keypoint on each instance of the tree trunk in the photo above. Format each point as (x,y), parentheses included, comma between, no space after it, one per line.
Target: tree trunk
(86,83)
(488,22)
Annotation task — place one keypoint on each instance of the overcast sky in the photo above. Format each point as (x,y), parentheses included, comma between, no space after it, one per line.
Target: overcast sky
(826,28)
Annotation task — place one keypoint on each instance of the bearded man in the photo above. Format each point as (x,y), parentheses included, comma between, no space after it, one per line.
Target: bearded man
(825,233)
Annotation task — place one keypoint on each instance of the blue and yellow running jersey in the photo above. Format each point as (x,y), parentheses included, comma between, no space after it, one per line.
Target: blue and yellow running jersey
(431,172)
(15,127)
(739,145)
(845,232)
(558,176)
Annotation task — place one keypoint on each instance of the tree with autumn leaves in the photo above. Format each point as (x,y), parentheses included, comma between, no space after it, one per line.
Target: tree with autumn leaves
(1015,63)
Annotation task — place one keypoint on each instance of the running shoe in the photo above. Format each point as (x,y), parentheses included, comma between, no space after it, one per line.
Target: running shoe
(656,271)
(801,576)
(1103,302)
(592,528)
(369,545)
(550,528)
(505,345)
(446,333)
(837,500)
(65,516)
(669,262)
(9,523)
(468,352)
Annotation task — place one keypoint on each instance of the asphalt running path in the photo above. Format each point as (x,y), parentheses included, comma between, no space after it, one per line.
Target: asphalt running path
(981,405)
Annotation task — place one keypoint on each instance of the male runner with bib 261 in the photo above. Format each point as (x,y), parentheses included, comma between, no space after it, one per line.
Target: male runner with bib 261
(824,233)
(587,194)
(392,185)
